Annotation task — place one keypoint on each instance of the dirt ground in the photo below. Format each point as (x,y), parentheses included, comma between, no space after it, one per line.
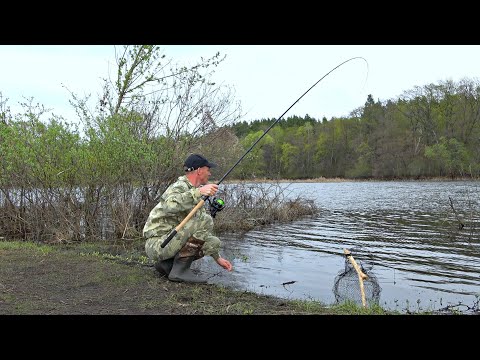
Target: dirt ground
(93,279)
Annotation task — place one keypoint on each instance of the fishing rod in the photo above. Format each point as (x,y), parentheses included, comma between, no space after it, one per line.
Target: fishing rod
(205,197)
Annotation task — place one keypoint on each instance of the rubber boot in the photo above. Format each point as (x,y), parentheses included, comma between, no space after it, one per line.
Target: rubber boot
(181,271)
(164,266)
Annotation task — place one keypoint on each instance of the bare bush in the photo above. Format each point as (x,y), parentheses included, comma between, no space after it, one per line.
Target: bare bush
(249,205)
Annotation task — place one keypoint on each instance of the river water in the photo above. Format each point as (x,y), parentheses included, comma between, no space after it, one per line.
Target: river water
(406,234)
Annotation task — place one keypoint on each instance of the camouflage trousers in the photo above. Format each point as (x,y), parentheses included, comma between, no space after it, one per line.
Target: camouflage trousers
(200,227)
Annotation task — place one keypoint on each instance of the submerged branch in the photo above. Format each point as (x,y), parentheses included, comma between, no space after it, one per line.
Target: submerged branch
(461,225)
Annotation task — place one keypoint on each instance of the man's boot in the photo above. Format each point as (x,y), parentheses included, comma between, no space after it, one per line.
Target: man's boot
(164,266)
(181,272)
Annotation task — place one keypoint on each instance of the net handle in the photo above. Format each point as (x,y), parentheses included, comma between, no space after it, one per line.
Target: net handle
(361,274)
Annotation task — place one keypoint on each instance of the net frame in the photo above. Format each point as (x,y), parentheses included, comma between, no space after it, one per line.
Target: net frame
(355,284)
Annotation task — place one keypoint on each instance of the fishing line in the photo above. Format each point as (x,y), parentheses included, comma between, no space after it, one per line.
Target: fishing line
(281,116)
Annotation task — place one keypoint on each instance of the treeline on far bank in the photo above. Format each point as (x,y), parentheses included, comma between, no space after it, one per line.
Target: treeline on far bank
(428,131)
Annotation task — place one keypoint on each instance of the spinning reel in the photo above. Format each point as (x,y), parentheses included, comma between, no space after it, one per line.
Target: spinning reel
(216,205)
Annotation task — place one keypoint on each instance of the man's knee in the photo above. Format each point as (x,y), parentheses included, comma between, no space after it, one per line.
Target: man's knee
(154,250)
(150,246)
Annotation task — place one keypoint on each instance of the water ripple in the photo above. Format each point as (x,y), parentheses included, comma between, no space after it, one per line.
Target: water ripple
(406,233)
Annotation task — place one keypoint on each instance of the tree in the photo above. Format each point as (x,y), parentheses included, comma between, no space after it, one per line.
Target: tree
(151,114)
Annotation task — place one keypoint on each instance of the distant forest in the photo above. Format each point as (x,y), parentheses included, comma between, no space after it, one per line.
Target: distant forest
(429,131)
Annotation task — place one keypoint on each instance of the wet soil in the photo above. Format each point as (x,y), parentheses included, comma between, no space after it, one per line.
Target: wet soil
(98,279)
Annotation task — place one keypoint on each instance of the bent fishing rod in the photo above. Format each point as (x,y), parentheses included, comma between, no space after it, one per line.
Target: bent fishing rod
(205,197)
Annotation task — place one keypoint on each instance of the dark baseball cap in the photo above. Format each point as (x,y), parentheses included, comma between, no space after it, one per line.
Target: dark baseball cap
(195,161)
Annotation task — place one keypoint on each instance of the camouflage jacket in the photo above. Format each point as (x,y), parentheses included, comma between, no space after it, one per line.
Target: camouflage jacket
(174,205)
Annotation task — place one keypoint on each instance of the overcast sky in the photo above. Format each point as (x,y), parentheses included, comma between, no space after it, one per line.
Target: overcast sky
(267,79)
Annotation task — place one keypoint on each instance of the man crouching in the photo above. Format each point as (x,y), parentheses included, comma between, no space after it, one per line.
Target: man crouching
(195,239)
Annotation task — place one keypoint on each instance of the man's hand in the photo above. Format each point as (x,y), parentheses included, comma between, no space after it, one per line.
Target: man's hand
(209,189)
(224,263)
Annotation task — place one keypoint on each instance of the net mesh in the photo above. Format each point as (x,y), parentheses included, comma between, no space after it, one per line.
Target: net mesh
(347,287)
